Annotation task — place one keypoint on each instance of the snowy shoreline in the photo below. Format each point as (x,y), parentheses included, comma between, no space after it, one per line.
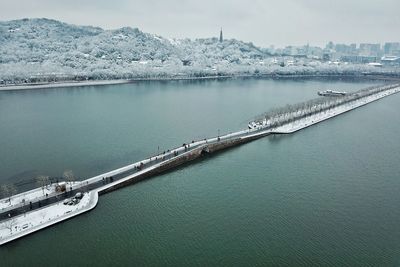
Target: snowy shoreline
(59,85)
(45,85)
(50,85)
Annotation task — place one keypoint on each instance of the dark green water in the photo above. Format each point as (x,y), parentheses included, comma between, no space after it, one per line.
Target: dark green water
(327,195)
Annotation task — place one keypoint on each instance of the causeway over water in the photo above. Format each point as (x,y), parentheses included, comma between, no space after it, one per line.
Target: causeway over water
(156,164)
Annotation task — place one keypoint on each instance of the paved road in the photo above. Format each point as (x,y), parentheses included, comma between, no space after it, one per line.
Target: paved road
(88,186)
(29,206)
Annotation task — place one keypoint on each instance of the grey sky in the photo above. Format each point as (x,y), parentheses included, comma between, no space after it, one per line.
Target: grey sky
(263,22)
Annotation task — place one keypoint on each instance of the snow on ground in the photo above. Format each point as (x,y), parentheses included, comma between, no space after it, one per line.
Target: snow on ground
(43,50)
(60,84)
(32,196)
(308,121)
(32,221)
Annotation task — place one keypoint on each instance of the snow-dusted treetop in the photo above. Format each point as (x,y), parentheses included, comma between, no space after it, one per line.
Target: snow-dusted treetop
(43,49)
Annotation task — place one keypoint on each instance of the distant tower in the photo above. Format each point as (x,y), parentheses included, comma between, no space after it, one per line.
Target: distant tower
(221,38)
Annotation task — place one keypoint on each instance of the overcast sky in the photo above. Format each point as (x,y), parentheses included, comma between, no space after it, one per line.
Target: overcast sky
(263,22)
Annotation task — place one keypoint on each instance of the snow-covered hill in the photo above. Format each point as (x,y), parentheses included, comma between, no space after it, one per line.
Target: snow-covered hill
(33,50)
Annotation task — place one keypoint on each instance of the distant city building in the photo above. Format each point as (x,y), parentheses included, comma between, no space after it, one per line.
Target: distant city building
(221,37)
(344,49)
(364,53)
(390,60)
(392,49)
(353,48)
(330,46)
(370,49)
(359,59)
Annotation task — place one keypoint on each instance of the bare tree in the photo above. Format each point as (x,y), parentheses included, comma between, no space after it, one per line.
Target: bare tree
(4,191)
(12,191)
(289,113)
(7,191)
(42,181)
(69,176)
(10,223)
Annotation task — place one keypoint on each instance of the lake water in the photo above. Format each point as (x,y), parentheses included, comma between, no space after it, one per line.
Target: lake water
(327,195)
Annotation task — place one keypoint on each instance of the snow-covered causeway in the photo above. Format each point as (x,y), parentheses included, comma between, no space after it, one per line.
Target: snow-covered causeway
(20,225)
(30,222)
(311,120)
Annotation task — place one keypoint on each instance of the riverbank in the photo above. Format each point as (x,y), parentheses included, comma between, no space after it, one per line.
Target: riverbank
(52,85)
(49,85)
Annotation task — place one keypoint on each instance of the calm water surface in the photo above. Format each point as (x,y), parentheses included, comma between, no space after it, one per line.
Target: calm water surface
(327,195)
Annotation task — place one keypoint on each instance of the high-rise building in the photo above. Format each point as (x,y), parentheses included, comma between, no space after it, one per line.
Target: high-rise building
(221,38)
(343,48)
(330,45)
(392,49)
(353,48)
(370,49)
